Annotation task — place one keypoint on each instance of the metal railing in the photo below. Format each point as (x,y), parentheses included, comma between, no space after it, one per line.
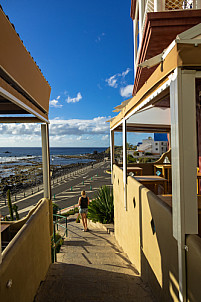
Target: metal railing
(56,223)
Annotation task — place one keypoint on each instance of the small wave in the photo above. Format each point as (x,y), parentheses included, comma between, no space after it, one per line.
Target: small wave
(10,159)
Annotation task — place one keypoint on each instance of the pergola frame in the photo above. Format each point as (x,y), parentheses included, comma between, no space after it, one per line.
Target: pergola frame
(45,150)
(24,92)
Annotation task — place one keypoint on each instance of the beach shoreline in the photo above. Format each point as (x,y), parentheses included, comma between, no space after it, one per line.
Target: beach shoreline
(29,176)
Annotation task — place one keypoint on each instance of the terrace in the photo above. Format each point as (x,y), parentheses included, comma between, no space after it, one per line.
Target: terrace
(159,233)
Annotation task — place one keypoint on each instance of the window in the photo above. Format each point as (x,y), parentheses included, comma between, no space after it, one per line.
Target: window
(157,149)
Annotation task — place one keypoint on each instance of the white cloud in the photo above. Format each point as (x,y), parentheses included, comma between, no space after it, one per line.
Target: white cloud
(112,81)
(126,91)
(74,100)
(117,79)
(99,38)
(72,132)
(55,103)
(124,73)
(105,137)
(79,127)
(99,86)
(60,127)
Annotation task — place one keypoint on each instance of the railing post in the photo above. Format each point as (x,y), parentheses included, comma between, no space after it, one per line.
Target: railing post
(66,228)
(54,237)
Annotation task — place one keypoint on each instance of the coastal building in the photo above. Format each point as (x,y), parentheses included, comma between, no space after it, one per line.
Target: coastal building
(155,146)
(24,98)
(162,233)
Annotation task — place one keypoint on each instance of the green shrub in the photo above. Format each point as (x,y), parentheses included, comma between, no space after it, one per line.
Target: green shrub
(58,244)
(144,160)
(101,208)
(71,212)
(131,159)
(15,207)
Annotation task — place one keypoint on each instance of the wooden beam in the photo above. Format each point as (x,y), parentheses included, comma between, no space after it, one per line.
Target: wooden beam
(19,120)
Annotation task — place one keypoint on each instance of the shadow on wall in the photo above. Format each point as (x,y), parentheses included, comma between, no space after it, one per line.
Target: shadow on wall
(159,258)
(147,238)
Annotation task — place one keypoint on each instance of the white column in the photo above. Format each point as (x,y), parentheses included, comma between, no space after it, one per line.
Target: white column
(159,5)
(141,18)
(111,152)
(124,162)
(134,46)
(184,164)
(46,160)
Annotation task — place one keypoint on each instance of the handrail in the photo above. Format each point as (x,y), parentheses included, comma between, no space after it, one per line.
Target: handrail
(57,223)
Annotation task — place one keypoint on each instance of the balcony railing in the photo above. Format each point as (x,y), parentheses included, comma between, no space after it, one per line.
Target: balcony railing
(167,5)
(180,4)
(163,5)
(159,6)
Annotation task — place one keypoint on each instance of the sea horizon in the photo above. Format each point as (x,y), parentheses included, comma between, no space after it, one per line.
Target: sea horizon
(23,155)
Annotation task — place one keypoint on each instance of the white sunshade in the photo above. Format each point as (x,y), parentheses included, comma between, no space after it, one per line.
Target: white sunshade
(152,118)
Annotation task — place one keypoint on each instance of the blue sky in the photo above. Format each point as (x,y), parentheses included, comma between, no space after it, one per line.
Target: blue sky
(85,51)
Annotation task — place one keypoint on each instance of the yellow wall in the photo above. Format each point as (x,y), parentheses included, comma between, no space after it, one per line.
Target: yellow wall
(18,63)
(153,254)
(27,258)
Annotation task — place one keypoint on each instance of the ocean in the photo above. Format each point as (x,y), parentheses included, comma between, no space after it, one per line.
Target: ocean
(25,156)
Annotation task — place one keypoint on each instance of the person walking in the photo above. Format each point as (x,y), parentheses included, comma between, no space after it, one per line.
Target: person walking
(83,209)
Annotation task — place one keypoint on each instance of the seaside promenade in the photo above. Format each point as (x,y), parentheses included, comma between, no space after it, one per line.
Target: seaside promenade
(66,189)
(92,267)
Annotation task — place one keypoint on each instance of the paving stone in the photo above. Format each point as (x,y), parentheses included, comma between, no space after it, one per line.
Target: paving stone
(92,268)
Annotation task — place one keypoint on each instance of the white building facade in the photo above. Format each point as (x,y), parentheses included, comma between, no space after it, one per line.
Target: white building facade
(149,145)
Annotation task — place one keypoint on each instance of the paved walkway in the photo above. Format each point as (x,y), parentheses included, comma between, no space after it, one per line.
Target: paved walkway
(92,268)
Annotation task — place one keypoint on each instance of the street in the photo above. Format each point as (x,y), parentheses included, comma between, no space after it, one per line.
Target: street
(66,192)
